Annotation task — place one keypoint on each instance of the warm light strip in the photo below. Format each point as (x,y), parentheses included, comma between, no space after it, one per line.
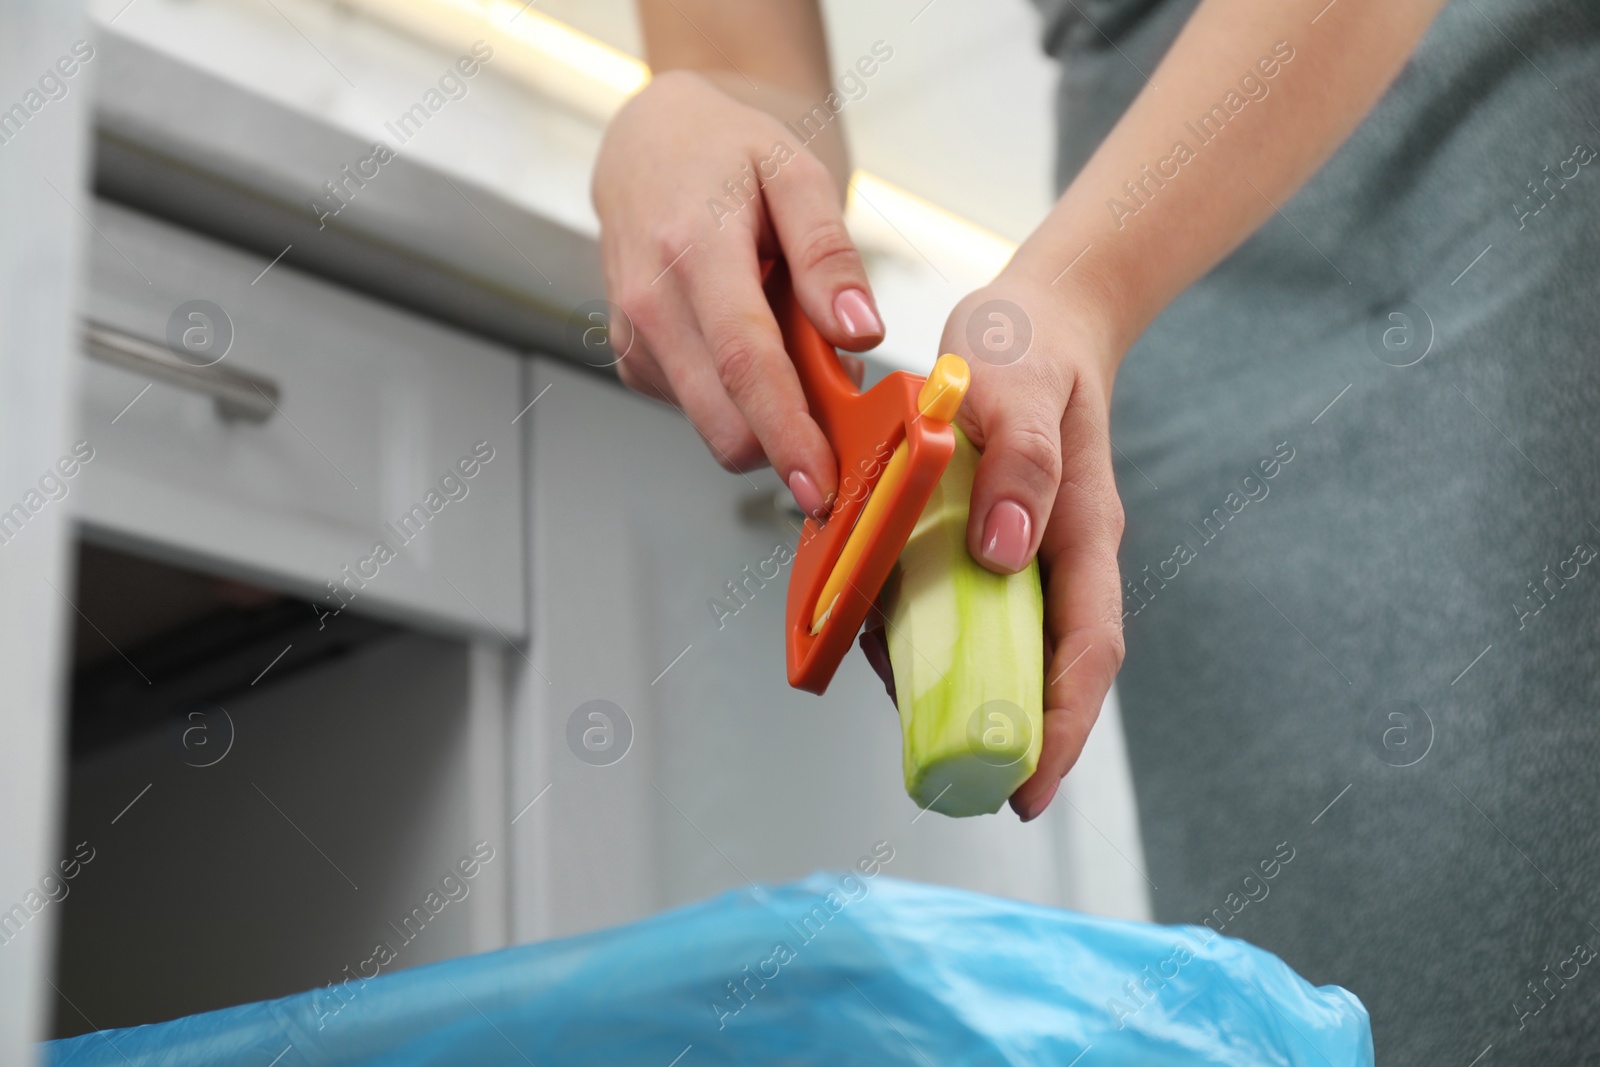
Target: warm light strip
(589,74)
(594,59)
(549,56)
(874,201)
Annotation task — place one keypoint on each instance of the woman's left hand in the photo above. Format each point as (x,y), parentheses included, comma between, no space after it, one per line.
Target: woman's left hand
(1043,358)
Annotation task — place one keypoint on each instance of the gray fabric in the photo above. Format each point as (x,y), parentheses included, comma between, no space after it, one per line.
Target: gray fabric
(1396,545)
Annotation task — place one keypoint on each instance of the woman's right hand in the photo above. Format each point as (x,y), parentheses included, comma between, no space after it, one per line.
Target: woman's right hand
(693,189)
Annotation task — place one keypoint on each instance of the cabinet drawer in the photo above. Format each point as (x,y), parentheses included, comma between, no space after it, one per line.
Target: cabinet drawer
(387,463)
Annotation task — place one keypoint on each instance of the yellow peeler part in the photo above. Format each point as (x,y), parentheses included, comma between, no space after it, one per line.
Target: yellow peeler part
(945,388)
(939,399)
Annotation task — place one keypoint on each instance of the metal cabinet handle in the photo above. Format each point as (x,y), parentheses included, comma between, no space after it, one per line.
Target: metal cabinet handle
(238,394)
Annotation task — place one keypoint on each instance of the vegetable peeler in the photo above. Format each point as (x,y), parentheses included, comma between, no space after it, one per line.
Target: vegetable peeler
(892,443)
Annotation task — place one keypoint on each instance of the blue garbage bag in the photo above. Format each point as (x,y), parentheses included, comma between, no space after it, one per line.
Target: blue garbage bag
(835,969)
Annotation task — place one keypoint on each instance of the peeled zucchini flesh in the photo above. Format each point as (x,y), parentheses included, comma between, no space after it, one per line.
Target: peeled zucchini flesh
(967,648)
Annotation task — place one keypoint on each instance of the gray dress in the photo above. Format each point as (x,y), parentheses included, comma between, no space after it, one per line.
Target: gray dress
(1381,658)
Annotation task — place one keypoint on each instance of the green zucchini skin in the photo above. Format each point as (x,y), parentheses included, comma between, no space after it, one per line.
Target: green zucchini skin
(967,648)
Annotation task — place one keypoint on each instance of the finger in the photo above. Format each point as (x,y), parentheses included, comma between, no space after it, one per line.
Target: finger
(876,649)
(1083,606)
(667,356)
(1019,472)
(746,350)
(829,277)
(641,373)
(635,364)
(719,421)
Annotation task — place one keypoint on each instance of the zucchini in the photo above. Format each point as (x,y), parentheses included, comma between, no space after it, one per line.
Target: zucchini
(967,648)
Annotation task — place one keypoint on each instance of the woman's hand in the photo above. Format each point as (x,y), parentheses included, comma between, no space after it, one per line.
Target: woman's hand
(1040,416)
(693,188)
(1139,223)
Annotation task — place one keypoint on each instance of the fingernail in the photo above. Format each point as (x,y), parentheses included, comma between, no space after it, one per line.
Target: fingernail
(1007,535)
(856,314)
(1038,808)
(806,493)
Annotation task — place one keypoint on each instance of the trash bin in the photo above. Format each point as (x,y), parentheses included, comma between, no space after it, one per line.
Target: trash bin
(838,968)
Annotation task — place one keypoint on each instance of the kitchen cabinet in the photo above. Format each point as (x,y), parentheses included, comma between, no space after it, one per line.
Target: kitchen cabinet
(270,790)
(368,411)
(568,655)
(583,673)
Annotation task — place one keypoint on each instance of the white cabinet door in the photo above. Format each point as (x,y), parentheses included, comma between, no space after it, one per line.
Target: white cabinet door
(43,187)
(387,473)
(730,774)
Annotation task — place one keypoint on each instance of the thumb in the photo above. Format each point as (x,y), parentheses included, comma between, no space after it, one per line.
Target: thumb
(829,278)
(1014,490)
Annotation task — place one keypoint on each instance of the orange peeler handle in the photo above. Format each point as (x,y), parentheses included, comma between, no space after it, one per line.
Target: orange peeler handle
(892,443)
(827,387)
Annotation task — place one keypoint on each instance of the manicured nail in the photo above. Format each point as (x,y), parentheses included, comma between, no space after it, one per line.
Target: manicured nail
(1007,535)
(1038,809)
(806,493)
(856,314)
